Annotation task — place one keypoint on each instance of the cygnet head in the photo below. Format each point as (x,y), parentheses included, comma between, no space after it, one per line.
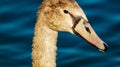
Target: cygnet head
(67,15)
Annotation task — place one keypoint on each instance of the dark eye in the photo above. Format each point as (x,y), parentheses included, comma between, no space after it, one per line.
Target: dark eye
(65,11)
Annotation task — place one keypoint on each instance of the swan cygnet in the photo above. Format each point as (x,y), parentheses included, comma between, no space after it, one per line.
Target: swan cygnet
(59,15)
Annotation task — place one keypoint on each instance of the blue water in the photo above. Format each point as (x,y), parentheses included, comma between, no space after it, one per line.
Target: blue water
(17,19)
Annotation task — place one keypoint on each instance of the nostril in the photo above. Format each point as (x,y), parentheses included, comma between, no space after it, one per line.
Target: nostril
(87,29)
(106,46)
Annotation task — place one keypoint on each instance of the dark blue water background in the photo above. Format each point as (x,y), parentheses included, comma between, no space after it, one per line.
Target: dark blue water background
(17,19)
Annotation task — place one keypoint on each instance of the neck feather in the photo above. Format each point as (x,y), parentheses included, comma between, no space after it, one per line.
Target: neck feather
(44,46)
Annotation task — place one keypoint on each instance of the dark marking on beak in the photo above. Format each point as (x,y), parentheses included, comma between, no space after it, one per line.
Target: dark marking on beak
(76,22)
(86,27)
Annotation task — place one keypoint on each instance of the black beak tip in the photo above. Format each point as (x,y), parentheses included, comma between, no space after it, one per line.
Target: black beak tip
(105,49)
(106,46)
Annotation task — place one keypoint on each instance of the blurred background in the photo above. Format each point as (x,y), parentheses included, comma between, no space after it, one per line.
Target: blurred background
(17,21)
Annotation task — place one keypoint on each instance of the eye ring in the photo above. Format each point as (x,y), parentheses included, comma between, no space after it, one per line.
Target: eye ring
(65,11)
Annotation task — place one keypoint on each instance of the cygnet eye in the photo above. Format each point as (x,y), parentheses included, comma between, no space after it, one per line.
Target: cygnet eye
(65,11)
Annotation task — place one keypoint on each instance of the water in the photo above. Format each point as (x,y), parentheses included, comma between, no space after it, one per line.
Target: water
(17,19)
